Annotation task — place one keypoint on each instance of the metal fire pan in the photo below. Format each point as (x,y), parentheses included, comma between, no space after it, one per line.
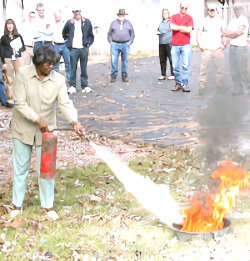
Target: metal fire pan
(187,236)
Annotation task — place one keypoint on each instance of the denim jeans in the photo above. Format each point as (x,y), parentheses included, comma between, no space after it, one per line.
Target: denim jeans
(75,56)
(115,50)
(181,53)
(39,44)
(62,50)
(3,97)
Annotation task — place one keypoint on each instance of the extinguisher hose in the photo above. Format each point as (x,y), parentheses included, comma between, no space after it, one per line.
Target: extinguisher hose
(69,129)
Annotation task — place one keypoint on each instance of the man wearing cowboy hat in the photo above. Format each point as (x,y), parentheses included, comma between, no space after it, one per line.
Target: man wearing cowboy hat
(120,37)
(78,34)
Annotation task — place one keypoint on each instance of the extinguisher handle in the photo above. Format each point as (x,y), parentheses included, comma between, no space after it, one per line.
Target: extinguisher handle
(71,129)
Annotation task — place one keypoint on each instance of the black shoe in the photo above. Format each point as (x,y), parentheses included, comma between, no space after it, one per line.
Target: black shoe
(112,79)
(125,79)
(9,105)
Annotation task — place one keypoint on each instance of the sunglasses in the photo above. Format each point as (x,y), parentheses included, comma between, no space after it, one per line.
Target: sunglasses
(184,7)
(211,10)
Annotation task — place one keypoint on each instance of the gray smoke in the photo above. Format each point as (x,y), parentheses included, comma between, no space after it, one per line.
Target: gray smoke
(225,123)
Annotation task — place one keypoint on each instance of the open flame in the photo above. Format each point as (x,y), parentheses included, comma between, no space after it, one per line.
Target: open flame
(208,210)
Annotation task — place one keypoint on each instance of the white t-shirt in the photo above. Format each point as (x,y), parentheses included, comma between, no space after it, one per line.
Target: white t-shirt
(234,25)
(211,29)
(27,31)
(57,32)
(77,39)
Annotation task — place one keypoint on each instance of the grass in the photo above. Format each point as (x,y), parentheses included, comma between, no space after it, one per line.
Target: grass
(98,218)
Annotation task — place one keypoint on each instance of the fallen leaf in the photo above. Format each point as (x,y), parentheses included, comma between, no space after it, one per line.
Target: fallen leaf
(108,100)
(17,223)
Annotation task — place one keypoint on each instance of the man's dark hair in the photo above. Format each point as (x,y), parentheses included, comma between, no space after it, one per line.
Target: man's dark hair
(45,55)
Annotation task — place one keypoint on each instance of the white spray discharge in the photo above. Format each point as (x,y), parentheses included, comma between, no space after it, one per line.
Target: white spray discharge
(155,198)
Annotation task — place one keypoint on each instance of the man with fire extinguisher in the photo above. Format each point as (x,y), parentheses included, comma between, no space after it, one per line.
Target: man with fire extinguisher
(37,91)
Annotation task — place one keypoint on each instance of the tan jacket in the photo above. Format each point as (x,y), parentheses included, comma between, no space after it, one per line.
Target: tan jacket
(35,98)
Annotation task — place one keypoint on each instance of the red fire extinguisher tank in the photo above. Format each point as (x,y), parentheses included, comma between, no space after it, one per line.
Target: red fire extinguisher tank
(48,157)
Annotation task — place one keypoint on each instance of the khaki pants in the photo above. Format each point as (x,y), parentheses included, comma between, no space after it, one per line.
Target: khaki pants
(27,55)
(217,59)
(9,74)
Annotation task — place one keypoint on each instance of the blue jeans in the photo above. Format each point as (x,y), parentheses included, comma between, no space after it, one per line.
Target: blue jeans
(3,97)
(75,55)
(115,50)
(181,53)
(39,44)
(62,50)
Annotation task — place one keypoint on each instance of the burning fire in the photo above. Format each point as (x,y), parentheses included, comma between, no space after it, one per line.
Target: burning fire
(207,211)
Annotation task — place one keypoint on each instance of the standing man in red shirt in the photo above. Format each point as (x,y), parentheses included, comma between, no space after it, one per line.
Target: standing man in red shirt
(181,24)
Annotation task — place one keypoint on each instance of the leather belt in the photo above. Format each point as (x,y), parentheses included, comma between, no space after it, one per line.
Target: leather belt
(119,42)
(59,43)
(43,42)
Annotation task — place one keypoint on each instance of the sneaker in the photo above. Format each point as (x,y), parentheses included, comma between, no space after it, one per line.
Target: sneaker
(171,77)
(9,105)
(87,90)
(13,211)
(71,90)
(186,89)
(52,215)
(177,87)
(112,79)
(161,78)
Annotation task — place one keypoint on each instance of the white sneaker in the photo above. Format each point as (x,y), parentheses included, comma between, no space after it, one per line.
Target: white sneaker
(12,212)
(71,90)
(52,215)
(162,78)
(15,212)
(171,77)
(87,90)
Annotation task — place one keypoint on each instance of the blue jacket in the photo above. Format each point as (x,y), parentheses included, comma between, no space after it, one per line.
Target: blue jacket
(87,32)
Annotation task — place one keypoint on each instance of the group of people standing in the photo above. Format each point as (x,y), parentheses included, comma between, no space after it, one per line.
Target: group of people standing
(70,39)
(174,45)
(37,88)
(213,36)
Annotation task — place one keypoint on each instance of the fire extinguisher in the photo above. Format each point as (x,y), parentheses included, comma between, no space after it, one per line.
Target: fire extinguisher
(48,157)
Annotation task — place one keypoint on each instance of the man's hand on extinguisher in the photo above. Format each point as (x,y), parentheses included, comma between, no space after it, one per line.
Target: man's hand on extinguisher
(43,126)
(78,128)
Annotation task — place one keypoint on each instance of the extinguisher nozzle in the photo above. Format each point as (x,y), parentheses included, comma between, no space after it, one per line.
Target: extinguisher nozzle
(87,138)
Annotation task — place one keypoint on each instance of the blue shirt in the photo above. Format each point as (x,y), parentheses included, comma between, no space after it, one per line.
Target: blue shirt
(166,34)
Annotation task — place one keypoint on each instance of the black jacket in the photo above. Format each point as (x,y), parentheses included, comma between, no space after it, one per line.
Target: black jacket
(87,32)
(7,51)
